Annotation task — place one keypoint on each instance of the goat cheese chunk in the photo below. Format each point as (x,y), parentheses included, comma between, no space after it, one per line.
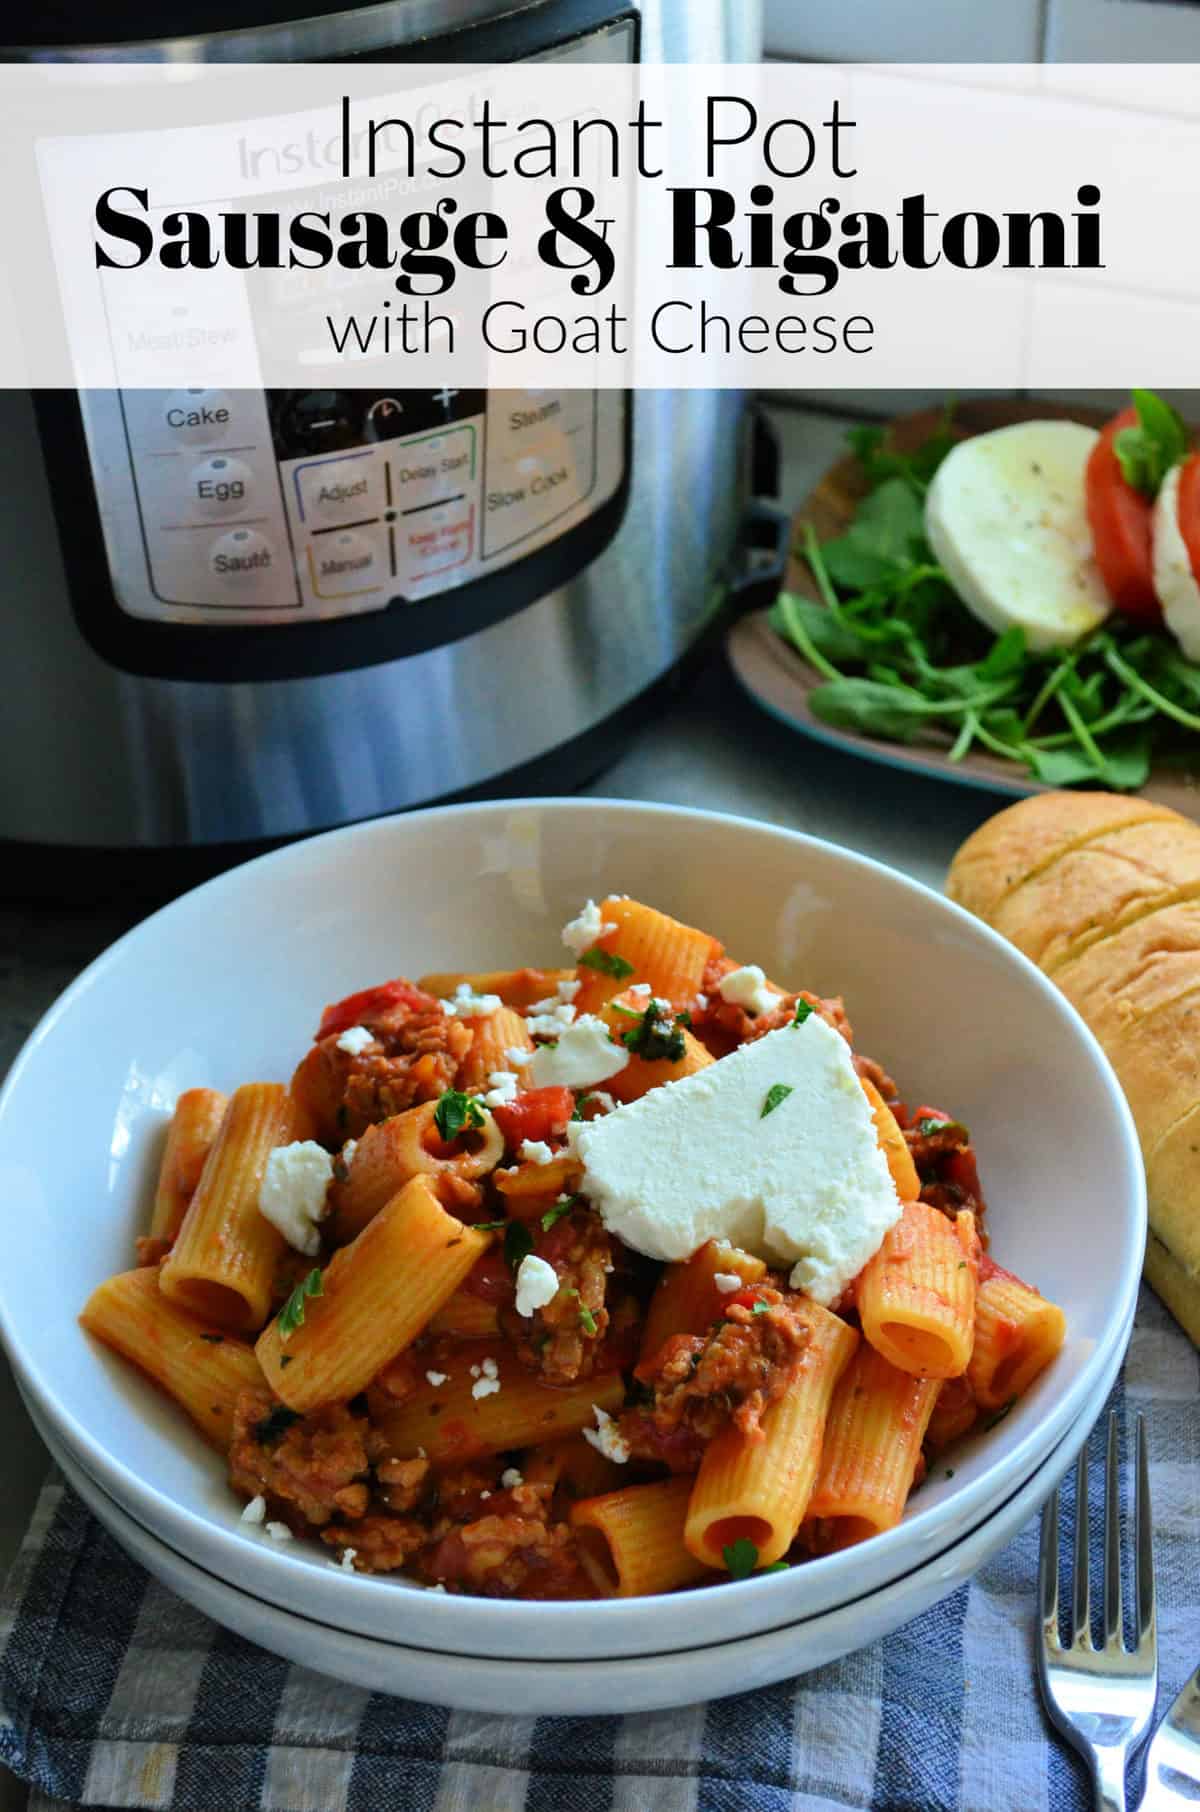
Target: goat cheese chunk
(747,987)
(537,1284)
(584,1054)
(606,1437)
(355,1040)
(292,1193)
(804,1184)
(581,933)
(466,1004)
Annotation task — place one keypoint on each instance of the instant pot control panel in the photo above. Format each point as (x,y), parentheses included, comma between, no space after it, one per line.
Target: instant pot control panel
(324,504)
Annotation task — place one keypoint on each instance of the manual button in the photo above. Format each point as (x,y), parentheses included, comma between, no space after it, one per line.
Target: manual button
(346,563)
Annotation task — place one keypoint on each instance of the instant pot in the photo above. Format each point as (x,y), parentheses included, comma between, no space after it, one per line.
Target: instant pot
(230,617)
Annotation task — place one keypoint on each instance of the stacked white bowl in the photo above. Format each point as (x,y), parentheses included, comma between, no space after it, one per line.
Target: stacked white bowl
(225,986)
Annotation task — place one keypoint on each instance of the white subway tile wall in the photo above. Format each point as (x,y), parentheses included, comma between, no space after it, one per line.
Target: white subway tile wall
(1122,31)
(905,31)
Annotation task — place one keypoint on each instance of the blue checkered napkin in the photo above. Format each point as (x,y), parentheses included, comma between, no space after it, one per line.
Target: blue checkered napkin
(114,1693)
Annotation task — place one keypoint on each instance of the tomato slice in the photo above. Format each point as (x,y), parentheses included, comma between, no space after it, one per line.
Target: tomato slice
(1121,519)
(1189,511)
(536,1113)
(356,1009)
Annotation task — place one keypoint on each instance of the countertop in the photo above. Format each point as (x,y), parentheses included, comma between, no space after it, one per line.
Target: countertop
(711,747)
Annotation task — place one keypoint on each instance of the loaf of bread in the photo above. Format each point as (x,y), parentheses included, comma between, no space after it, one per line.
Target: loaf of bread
(1102,891)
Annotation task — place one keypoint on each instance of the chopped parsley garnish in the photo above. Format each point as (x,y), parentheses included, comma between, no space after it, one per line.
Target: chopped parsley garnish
(930,1126)
(999,1416)
(804,1010)
(274,1426)
(580,1101)
(949,1472)
(488,1226)
(553,1215)
(777,1094)
(456,1111)
(777,1566)
(607,962)
(518,1244)
(741,1557)
(291,1315)
(587,1320)
(284,1359)
(760,1307)
(213,1339)
(657,1036)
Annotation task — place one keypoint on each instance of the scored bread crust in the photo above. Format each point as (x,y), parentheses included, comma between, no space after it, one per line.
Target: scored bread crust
(1019,842)
(1103,892)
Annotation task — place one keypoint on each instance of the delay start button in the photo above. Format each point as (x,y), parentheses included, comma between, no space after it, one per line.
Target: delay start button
(242,558)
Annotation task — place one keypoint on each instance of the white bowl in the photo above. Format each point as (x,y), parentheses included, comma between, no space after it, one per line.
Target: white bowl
(226,984)
(589,1687)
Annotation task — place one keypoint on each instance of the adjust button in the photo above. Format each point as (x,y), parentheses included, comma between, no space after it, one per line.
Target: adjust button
(344,488)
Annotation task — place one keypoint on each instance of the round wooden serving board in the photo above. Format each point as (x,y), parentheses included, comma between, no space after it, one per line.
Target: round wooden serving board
(779,678)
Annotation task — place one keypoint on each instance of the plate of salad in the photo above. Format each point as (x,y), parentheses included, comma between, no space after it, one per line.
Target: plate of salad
(1002,593)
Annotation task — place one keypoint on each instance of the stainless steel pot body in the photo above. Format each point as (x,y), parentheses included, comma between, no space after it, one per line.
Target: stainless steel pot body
(94,756)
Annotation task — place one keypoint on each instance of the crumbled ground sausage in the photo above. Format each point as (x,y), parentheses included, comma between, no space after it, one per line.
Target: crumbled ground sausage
(311,1467)
(563,1339)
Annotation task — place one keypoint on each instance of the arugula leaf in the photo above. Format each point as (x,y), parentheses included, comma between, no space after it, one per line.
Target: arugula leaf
(553,1215)
(607,962)
(1147,452)
(777,1094)
(741,1558)
(454,1111)
(656,1037)
(804,1010)
(884,539)
(1005,656)
(274,1426)
(291,1315)
(825,631)
(518,1244)
(917,468)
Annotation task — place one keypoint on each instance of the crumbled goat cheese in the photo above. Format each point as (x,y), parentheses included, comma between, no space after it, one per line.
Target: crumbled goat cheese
(582,932)
(255,1510)
(485,1387)
(537,1284)
(747,987)
(518,1056)
(484,1494)
(553,1022)
(437,1379)
(355,1040)
(503,1087)
(567,990)
(641,989)
(347,1152)
(345,1561)
(584,1054)
(535,1151)
(489,1368)
(466,1004)
(292,1193)
(279,1532)
(439,1587)
(701,1001)
(606,1437)
(727,1282)
(510,1478)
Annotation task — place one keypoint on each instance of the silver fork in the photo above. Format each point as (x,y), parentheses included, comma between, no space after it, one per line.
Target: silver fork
(1101,1699)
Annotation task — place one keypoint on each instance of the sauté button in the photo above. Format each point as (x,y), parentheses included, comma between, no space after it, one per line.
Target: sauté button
(221,486)
(241,558)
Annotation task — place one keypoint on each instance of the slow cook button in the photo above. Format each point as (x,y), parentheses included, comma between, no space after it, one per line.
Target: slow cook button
(197,417)
(345,563)
(220,486)
(242,559)
(341,489)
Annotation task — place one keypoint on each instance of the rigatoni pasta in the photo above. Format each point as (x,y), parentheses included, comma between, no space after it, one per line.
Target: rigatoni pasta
(491,1357)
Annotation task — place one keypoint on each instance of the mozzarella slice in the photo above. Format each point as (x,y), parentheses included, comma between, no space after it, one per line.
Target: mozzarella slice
(1005,516)
(1174,580)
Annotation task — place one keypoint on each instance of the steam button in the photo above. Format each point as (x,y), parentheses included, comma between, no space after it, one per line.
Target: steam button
(221,486)
(242,558)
